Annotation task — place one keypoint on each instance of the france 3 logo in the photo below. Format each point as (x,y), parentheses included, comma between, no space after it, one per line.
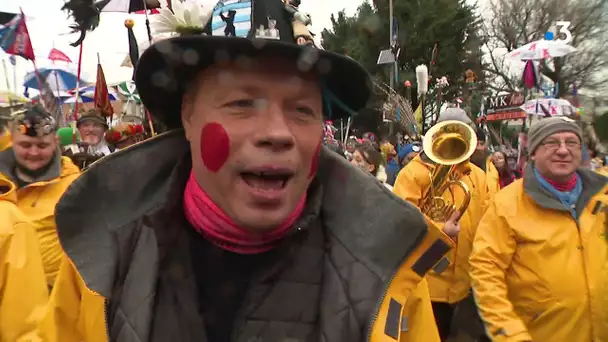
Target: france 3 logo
(563,33)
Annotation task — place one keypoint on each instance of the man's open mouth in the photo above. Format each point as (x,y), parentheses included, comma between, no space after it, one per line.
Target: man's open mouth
(267,180)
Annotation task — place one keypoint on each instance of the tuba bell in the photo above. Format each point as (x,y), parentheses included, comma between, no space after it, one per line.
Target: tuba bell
(447,144)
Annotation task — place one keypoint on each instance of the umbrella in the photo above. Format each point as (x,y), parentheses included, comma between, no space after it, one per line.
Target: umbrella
(89,91)
(542,49)
(128,6)
(555,107)
(87,94)
(57,77)
(58,94)
(87,99)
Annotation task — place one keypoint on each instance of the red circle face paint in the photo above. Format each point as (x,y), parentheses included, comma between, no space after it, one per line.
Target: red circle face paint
(215,146)
(315,161)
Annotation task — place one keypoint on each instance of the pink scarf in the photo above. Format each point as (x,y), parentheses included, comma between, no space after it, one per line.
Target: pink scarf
(565,186)
(211,222)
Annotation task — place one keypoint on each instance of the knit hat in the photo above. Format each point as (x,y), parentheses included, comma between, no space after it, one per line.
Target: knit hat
(457,114)
(546,127)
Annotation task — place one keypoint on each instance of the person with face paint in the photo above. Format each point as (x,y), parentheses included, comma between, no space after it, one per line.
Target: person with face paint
(540,249)
(238,225)
(35,165)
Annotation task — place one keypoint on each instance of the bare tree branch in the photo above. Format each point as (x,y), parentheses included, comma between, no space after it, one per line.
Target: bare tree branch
(513,23)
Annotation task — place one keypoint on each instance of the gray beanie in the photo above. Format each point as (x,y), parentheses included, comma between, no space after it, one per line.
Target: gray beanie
(457,114)
(546,127)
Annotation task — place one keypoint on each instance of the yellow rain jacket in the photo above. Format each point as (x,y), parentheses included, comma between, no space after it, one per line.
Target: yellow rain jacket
(602,293)
(399,304)
(76,313)
(452,284)
(492,177)
(536,270)
(37,201)
(23,289)
(5,140)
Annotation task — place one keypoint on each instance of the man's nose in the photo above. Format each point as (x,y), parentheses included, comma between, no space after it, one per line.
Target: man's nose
(273,129)
(34,151)
(562,150)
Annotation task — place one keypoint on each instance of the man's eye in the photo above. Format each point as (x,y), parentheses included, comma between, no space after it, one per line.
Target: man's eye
(305,110)
(552,143)
(572,143)
(244,103)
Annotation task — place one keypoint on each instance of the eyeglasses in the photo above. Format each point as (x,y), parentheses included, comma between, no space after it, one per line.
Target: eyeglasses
(555,144)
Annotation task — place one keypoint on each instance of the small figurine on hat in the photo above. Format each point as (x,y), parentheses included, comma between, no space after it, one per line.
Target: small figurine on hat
(300,22)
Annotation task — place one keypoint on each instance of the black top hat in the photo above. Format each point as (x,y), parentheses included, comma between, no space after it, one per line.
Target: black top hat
(166,69)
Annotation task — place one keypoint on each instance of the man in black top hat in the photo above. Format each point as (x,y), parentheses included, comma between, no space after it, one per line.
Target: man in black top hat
(238,224)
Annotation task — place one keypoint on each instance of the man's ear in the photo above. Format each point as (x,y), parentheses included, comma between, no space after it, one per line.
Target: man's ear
(186,114)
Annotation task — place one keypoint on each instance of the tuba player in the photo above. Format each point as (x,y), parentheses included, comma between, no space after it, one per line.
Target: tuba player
(445,149)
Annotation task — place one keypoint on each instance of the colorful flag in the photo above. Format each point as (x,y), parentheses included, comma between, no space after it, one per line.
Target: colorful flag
(57,55)
(15,39)
(102,99)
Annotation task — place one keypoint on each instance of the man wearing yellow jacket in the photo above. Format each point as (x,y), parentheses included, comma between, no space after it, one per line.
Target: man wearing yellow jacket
(34,163)
(23,290)
(238,224)
(451,285)
(541,246)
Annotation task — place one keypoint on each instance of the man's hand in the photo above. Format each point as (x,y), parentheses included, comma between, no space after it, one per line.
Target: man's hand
(452,227)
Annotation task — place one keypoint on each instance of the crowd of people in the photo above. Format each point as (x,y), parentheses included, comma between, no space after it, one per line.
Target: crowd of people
(240,224)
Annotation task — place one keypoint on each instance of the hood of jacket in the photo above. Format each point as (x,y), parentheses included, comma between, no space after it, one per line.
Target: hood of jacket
(61,167)
(375,226)
(8,190)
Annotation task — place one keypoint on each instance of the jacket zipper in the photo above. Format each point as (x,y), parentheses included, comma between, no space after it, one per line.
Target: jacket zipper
(379,303)
(589,301)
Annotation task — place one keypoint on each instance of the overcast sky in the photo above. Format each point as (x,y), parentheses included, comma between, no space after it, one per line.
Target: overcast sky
(48,28)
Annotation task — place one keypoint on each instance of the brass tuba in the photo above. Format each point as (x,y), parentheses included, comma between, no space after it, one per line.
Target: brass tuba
(447,144)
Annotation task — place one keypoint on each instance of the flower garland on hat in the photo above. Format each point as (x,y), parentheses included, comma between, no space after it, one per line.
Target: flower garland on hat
(123,131)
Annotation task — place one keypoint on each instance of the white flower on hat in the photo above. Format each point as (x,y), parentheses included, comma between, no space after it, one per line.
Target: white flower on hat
(187,17)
